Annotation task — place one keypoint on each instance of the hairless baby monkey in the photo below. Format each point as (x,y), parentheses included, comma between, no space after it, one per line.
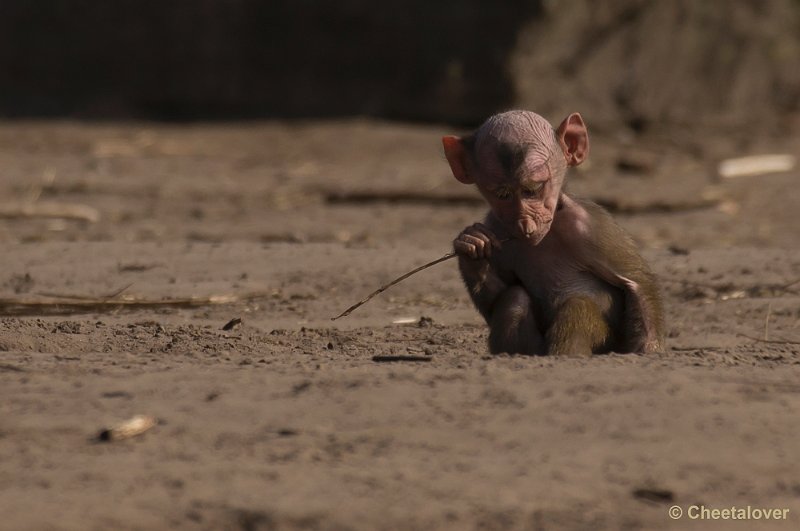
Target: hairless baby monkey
(551,274)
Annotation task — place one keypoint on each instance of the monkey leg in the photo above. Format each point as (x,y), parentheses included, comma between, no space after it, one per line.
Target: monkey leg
(579,328)
(512,326)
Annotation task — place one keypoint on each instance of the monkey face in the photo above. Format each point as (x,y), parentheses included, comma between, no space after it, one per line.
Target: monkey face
(519,181)
(518,163)
(524,206)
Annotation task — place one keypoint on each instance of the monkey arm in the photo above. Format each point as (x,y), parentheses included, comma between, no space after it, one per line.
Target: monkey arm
(483,283)
(479,265)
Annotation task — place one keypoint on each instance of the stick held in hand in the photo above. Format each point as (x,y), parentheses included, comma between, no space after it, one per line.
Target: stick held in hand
(383,288)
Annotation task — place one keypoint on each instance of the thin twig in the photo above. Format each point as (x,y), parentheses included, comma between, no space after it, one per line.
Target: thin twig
(694,284)
(401,357)
(719,288)
(790,284)
(118,292)
(114,294)
(383,288)
(766,322)
(690,349)
(49,210)
(7,367)
(76,304)
(773,341)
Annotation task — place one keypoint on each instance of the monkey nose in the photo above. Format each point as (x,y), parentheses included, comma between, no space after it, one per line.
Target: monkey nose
(526,227)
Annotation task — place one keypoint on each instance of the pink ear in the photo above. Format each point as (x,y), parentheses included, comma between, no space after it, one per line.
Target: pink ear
(457,156)
(574,139)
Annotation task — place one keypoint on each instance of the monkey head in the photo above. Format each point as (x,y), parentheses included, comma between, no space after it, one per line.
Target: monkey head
(518,163)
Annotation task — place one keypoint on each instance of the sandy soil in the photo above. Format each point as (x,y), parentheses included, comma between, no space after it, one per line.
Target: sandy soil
(395,417)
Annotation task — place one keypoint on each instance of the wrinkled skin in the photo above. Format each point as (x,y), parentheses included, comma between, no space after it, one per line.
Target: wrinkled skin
(517,164)
(550,274)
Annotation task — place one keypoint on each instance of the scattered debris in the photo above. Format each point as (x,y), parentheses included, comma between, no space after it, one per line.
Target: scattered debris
(755,165)
(728,291)
(766,321)
(130,428)
(300,387)
(43,209)
(773,341)
(399,357)
(678,250)
(117,394)
(75,304)
(425,322)
(654,495)
(738,294)
(135,267)
(111,295)
(233,324)
(8,367)
(67,327)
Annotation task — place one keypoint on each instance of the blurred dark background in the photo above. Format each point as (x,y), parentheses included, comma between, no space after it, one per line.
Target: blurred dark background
(636,63)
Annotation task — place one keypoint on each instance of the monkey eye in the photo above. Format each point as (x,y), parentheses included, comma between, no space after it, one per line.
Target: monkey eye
(503,194)
(531,191)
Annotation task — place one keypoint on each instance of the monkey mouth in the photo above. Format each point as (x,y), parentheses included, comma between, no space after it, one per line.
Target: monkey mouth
(530,231)
(533,237)
(525,229)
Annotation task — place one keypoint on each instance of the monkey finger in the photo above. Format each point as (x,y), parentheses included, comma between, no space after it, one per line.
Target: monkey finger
(482,245)
(486,231)
(478,233)
(481,242)
(474,246)
(465,249)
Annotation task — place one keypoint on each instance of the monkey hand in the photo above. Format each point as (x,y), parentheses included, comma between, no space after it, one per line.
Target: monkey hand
(476,242)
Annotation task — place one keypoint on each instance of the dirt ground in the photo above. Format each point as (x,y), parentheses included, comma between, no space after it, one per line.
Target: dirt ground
(128,247)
